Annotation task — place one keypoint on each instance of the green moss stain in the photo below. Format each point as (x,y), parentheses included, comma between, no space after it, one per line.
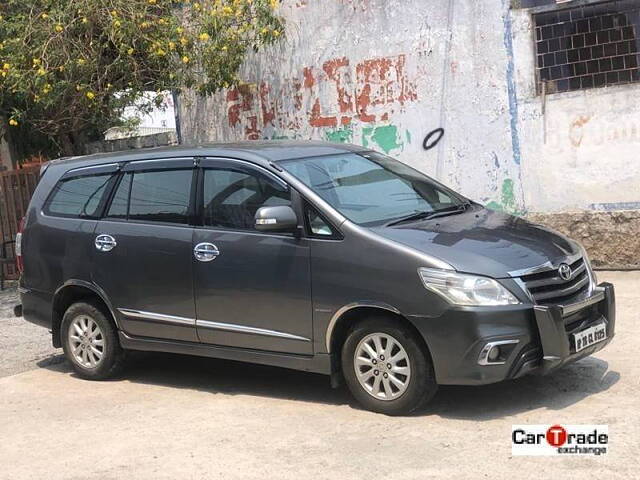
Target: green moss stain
(339,135)
(507,202)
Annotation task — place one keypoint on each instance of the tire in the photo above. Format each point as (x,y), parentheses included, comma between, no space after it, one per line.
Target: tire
(406,351)
(103,346)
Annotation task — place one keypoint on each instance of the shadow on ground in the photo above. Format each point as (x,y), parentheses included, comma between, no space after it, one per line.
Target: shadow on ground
(557,391)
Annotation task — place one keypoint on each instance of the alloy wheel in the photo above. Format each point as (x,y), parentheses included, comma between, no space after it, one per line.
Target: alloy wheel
(86,341)
(382,366)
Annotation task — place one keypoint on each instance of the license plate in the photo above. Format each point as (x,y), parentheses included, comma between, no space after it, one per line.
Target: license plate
(589,336)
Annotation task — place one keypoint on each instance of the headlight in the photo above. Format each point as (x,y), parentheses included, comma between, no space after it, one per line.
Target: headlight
(462,289)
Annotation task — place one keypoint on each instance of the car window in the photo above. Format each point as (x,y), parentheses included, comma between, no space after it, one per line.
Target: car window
(370,188)
(232,197)
(78,197)
(317,225)
(120,201)
(160,196)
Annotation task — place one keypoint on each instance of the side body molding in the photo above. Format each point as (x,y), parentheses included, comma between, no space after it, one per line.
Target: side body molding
(342,310)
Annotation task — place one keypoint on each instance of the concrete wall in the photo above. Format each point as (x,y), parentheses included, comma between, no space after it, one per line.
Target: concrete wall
(582,153)
(385,73)
(132,143)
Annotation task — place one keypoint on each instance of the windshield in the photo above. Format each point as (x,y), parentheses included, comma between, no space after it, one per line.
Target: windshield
(370,188)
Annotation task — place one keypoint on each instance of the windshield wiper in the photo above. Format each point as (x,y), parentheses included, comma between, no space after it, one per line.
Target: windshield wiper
(433,214)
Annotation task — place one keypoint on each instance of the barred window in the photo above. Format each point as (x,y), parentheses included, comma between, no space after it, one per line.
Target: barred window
(588,46)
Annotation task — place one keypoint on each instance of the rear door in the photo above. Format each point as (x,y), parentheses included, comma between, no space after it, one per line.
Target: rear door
(143,255)
(253,289)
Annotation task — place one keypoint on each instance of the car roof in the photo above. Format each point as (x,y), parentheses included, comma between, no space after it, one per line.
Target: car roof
(261,152)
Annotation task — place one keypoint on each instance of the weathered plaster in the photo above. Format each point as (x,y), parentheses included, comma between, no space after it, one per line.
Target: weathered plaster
(385,73)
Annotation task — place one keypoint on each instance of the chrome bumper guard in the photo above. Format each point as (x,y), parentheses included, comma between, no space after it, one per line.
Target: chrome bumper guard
(554,339)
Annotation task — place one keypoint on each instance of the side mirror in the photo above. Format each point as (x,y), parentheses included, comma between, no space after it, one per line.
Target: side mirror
(276,219)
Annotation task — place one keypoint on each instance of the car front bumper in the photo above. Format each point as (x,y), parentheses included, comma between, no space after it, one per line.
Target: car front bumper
(541,338)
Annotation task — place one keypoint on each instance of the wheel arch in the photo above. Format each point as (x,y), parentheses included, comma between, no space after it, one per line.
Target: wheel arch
(71,292)
(350,315)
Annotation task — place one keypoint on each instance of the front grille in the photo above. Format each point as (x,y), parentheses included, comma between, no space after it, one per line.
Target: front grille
(548,288)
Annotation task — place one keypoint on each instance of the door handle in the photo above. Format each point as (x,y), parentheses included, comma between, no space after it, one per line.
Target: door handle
(105,243)
(206,252)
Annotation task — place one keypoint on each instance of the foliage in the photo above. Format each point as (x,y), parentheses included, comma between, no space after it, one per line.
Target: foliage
(69,67)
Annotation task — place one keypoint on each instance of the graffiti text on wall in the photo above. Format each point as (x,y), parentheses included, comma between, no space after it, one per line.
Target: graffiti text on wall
(331,96)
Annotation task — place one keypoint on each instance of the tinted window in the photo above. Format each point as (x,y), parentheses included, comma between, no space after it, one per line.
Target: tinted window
(370,188)
(161,196)
(120,201)
(77,197)
(317,225)
(232,197)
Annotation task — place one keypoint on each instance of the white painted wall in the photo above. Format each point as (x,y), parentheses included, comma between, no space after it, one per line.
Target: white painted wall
(384,73)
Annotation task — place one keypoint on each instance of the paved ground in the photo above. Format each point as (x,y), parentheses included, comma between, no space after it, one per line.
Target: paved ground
(23,346)
(181,417)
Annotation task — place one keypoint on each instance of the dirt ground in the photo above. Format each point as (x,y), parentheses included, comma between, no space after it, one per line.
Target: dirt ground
(184,417)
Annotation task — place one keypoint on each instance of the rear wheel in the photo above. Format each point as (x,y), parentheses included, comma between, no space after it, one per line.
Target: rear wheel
(387,368)
(90,342)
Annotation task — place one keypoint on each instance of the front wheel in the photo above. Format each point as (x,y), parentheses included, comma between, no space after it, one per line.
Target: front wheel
(90,342)
(386,367)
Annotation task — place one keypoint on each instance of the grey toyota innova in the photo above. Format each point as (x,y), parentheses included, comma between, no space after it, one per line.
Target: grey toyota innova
(307,255)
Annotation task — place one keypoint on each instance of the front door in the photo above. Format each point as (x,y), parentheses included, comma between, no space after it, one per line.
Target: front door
(143,257)
(252,289)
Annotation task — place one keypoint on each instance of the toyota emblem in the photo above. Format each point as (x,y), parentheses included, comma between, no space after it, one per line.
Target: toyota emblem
(564,271)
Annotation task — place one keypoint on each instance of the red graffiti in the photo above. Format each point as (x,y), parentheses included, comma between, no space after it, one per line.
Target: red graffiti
(333,95)
(239,100)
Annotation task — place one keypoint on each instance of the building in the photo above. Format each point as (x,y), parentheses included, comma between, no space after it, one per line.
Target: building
(536,100)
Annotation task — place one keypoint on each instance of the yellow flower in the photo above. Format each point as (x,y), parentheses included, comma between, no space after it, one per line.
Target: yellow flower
(274,4)
(36,61)
(85,20)
(78,88)
(130,51)
(161,53)
(264,30)
(204,36)
(144,25)
(227,10)
(114,13)
(109,86)
(13,122)
(224,48)
(81,61)
(46,89)
(152,2)
(59,28)
(117,24)
(6,66)
(172,46)
(276,33)
(44,16)
(185,59)
(61,68)
(42,71)
(3,74)
(183,41)
(179,30)
(90,95)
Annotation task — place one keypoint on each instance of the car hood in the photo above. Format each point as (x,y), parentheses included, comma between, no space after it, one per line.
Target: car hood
(483,241)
